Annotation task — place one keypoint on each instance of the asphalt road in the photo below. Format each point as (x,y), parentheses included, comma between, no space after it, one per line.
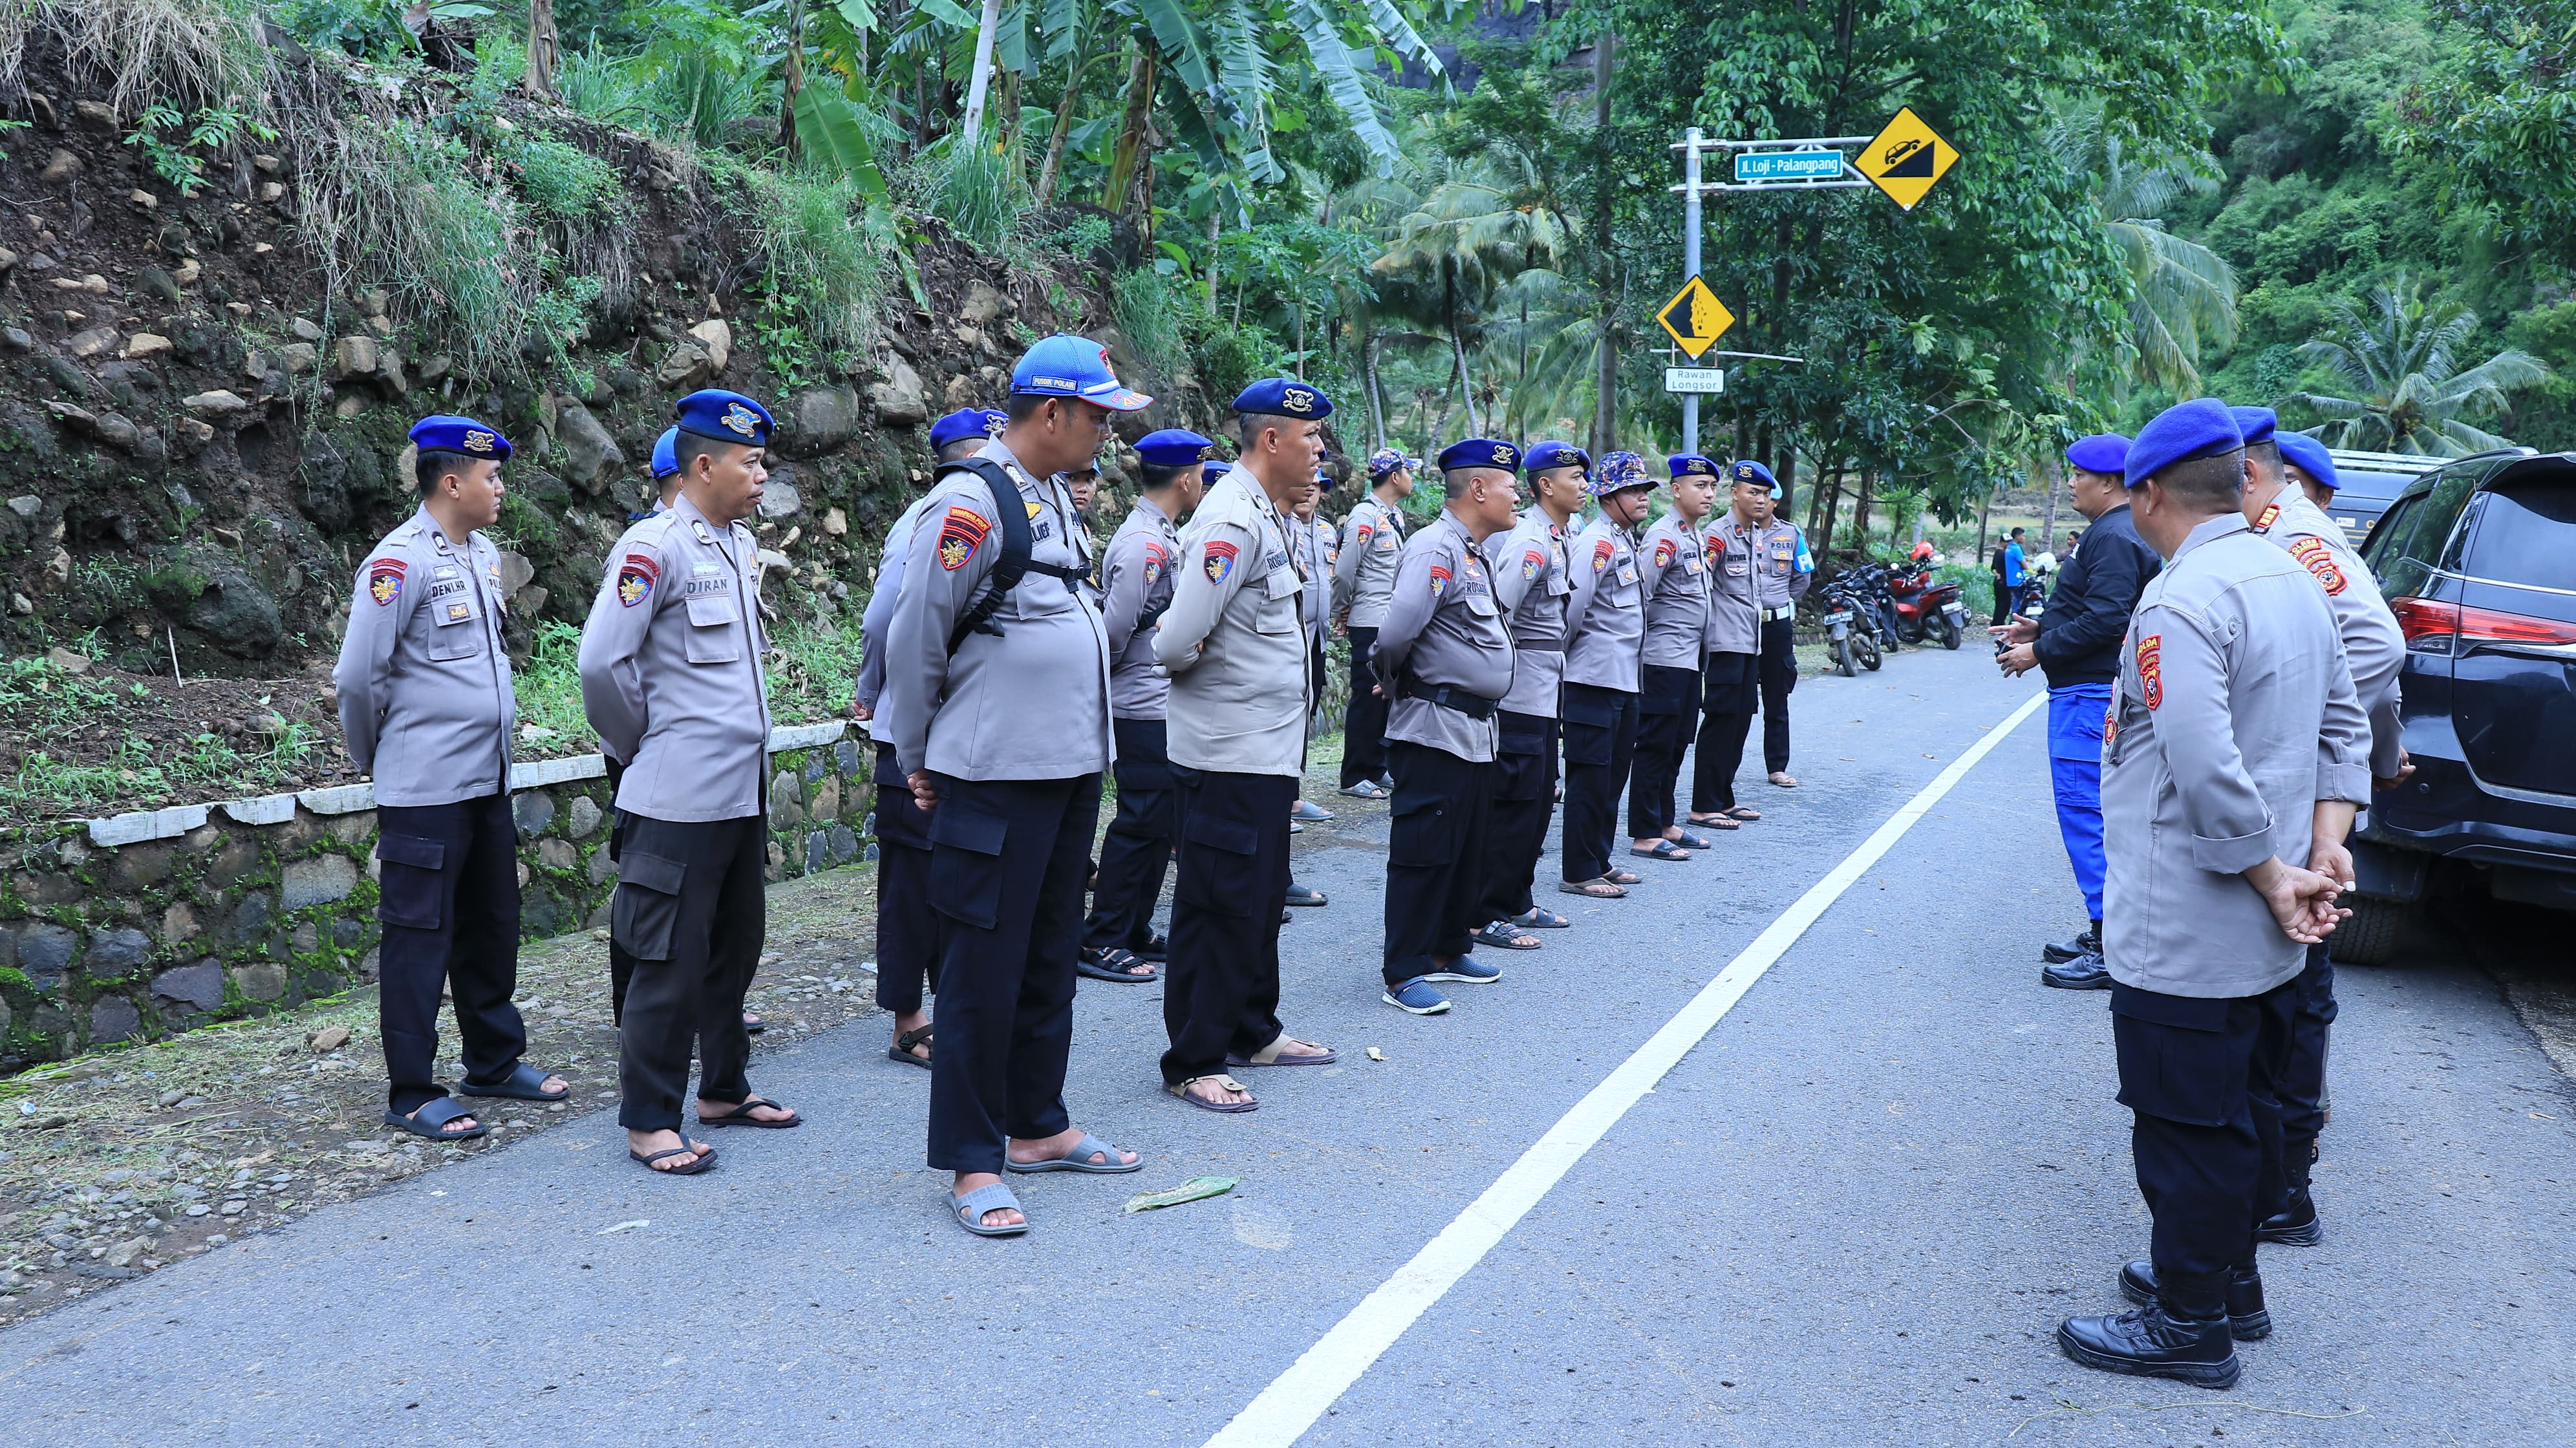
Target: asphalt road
(1855,1211)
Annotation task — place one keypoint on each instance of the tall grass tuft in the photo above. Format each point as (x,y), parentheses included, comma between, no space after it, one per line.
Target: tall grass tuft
(197,53)
(982,193)
(816,244)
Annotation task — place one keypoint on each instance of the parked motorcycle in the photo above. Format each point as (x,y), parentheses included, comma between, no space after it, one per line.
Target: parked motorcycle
(1852,621)
(1925,608)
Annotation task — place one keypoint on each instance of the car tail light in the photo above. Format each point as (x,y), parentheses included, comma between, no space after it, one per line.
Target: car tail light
(2481,624)
(2430,626)
(2433,627)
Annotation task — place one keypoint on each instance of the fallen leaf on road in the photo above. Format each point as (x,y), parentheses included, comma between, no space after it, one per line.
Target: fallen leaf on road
(623,1227)
(1195,1189)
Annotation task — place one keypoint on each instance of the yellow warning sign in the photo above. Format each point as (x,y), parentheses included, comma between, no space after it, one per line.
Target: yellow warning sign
(1696,318)
(1906,158)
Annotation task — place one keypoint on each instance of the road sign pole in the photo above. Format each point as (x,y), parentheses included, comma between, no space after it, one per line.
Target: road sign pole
(1690,267)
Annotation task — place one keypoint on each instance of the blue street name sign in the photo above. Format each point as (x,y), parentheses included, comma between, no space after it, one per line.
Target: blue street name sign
(1788,165)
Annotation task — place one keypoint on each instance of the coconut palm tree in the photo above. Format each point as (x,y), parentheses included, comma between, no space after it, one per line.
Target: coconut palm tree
(2408,393)
(2182,295)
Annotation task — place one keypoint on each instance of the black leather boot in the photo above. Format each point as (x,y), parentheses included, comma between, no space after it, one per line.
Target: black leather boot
(2088,943)
(2296,1224)
(2152,1342)
(2247,1318)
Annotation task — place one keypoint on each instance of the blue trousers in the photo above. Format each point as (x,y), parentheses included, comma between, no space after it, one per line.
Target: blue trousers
(2075,772)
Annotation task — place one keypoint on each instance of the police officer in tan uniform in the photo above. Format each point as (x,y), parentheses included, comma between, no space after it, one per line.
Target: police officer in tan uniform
(1446,663)
(907,928)
(1674,579)
(1731,680)
(1363,582)
(2236,751)
(671,680)
(426,707)
(997,704)
(1782,570)
(1144,559)
(2374,649)
(1235,642)
(1605,621)
(1533,584)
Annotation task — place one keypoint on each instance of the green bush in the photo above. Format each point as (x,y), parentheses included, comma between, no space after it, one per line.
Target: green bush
(562,180)
(825,266)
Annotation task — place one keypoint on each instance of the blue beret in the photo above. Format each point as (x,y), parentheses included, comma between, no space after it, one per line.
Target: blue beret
(2181,432)
(666,453)
(2309,456)
(1745,470)
(1682,465)
(1174,448)
(1480,452)
(1618,471)
(1069,366)
(1215,470)
(960,425)
(1387,460)
(726,417)
(2256,423)
(1545,455)
(442,433)
(2103,452)
(1284,397)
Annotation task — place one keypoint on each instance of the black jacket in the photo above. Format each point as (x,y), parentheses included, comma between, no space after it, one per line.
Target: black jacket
(2080,631)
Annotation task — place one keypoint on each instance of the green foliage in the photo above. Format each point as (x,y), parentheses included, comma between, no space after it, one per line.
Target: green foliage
(39,699)
(214,130)
(549,685)
(813,671)
(825,255)
(561,180)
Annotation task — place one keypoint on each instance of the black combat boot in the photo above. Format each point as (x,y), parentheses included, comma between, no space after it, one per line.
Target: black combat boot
(2088,943)
(2247,1319)
(2154,1342)
(2296,1224)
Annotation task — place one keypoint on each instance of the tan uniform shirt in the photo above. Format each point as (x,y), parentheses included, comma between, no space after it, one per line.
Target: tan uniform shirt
(1605,616)
(1444,627)
(670,668)
(1533,585)
(424,685)
(1235,640)
(2372,645)
(1674,578)
(1734,615)
(1364,574)
(1137,581)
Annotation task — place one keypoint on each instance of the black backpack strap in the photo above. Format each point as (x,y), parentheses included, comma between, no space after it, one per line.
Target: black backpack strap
(1014,564)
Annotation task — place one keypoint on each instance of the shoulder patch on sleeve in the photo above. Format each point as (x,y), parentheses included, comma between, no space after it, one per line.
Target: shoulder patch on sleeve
(1601,554)
(2151,675)
(1665,552)
(1439,579)
(1532,561)
(384,580)
(2317,558)
(960,533)
(1217,560)
(635,579)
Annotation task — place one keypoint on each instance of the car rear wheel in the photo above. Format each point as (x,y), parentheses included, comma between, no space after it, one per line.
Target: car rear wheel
(2371,935)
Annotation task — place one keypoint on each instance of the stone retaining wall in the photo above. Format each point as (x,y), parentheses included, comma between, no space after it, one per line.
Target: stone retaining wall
(150,923)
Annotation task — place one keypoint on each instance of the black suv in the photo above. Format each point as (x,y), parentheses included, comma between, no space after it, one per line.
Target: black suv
(2478,560)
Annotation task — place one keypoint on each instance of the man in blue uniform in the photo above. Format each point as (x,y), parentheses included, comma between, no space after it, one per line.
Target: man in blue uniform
(2077,644)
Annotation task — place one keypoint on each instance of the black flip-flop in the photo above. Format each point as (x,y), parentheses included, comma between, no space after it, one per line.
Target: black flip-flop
(435,1115)
(1501,935)
(741,1116)
(1304,894)
(1715,822)
(1112,963)
(1156,949)
(1539,917)
(524,1083)
(704,1160)
(1661,850)
(904,1041)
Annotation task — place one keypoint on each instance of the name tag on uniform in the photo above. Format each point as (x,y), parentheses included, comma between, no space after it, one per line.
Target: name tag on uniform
(1043,531)
(707,578)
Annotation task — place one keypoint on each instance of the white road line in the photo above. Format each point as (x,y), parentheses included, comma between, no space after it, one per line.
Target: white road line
(1297,1397)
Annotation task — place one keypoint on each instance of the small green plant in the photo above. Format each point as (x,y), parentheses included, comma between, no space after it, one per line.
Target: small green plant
(9,125)
(561,180)
(215,129)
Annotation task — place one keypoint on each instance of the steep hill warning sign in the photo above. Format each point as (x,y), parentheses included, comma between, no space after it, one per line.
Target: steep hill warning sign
(1906,158)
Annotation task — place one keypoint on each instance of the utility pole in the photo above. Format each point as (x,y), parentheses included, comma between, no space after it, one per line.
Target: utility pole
(1690,268)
